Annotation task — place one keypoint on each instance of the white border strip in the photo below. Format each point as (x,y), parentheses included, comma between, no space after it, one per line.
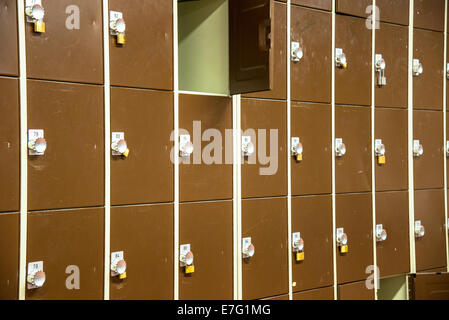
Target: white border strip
(334,220)
(238,155)
(444,133)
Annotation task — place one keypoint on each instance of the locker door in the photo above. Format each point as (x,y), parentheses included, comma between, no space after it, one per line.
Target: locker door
(146,59)
(145,235)
(355,291)
(392,44)
(430,249)
(67,51)
(353,84)
(447,139)
(391,127)
(70,173)
(9,55)
(354,8)
(353,213)
(429,15)
(312,217)
(265,122)
(279,298)
(207,173)
(428,168)
(9,248)
(311,75)
(266,273)
(9,145)
(318,4)
(353,170)
(429,286)
(207,227)
(428,86)
(67,241)
(394,11)
(146,119)
(311,123)
(315,294)
(393,254)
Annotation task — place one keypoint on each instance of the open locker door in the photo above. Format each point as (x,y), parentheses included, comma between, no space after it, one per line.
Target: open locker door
(250,39)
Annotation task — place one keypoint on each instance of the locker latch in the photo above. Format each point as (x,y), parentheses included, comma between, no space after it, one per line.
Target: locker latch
(380,69)
(297,52)
(417,68)
(35,275)
(247,146)
(118,26)
(185,145)
(379,149)
(418,149)
(340,59)
(298,246)
(35,13)
(119,146)
(447,148)
(36,142)
(248,249)
(447,71)
(340,147)
(419,229)
(381,233)
(342,240)
(297,148)
(118,265)
(186,258)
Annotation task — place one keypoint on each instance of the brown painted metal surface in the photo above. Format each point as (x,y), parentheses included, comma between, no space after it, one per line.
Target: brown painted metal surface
(428,87)
(207,227)
(428,168)
(430,286)
(65,54)
(353,170)
(145,235)
(9,55)
(67,238)
(311,76)
(146,60)
(354,214)
(394,11)
(318,4)
(312,124)
(9,248)
(355,291)
(353,85)
(430,249)
(146,119)
(70,173)
(393,253)
(312,216)
(429,14)
(266,273)
(392,44)
(391,126)
(279,298)
(9,145)
(355,8)
(279,90)
(208,176)
(316,294)
(259,118)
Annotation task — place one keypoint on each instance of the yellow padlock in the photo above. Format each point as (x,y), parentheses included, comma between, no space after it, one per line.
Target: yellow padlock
(345,65)
(190,269)
(299,157)
(122,276)
(300,256)
(381,160)
(344,249)
(126,153)
(121,38)
(39,26)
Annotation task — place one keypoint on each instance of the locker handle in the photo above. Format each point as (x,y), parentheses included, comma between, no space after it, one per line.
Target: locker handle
(35,14)
(36,279)
(187,259)
(298,246)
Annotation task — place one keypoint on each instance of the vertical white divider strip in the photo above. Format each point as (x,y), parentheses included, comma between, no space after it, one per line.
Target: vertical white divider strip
(334,222)
(235,202)
(444,133)
(238,182)
(107,150)
(23,149)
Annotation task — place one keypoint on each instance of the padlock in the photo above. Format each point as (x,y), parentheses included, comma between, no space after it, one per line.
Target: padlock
(190,269)
(126,153)
(122,276)
(121,38)
(39,26)
(381,160)
(299,157)
(300,256)
(344,249)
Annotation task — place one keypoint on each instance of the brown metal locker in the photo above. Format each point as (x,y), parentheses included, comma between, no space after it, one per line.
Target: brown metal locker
(146,119)
(315,294)
(9,248)
(67,51)
(429,167)
(145,235)
(353,84)
(311,75)
(9,145)
(428,87)
(207,227)
(279,90)
(9,55)
(207,173)
(65,241)
(393,254)
(146,59)
(429,286)
(354,214)
(266,273)
(311,123)
(394,11)
(392,44)
(70,173)
(353,170)
(391,126)
(447,146)
(259,118)
(355,291)
(354,8)
(429,14)
(431,248)
(312,217)
(279,298)
(317,4)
